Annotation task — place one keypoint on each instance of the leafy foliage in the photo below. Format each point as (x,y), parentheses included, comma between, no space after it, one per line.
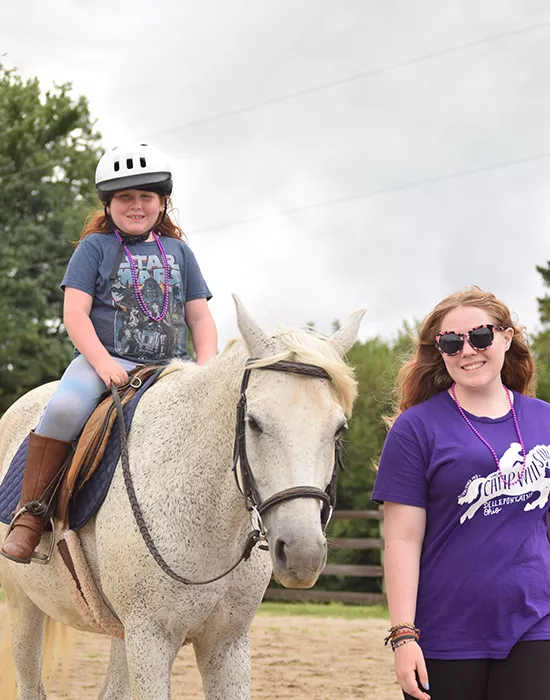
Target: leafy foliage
(541,342)
(376,365)
(48,151)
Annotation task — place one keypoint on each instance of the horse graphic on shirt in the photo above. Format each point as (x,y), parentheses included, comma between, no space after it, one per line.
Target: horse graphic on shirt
(482,489)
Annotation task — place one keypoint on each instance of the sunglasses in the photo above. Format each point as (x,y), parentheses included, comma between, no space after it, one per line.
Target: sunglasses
(480,338)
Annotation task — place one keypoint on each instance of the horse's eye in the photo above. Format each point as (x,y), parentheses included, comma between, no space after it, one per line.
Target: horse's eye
(253,424)
(341,430)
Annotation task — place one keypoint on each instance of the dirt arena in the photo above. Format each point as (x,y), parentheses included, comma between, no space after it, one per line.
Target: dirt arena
(293,658)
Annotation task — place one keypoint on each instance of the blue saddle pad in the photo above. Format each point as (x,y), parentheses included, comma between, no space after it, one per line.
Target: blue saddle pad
(86,502)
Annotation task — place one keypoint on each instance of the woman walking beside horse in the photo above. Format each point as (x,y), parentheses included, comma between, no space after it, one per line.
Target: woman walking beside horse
(465,481)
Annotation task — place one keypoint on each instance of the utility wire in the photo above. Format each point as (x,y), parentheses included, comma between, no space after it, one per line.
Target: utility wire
(307,91)
(374,193)
(367,195)
(349,79)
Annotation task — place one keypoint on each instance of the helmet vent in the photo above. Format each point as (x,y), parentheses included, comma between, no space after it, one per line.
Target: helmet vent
(143,162)
(129,163)
(117,166)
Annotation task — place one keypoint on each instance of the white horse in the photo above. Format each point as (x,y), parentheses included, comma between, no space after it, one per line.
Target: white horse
(180,449)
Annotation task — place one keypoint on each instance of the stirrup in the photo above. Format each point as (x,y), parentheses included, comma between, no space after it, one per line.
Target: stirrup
(38,557)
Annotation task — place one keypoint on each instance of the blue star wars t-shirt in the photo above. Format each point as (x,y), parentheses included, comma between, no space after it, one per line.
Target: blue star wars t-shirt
(121,325)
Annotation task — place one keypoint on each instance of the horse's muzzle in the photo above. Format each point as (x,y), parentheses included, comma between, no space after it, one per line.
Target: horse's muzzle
(297,563)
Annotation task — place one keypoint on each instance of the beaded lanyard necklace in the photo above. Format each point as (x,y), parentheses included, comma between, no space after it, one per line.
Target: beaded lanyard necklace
(484,441)
(137,291)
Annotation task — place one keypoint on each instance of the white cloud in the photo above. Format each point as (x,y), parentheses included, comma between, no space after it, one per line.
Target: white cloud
(148,68)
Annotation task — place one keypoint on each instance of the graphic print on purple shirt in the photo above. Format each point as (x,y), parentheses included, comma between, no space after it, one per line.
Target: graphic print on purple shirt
(485,563)
(498,490)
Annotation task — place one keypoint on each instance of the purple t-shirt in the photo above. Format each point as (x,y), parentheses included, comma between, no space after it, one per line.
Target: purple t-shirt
(485,564)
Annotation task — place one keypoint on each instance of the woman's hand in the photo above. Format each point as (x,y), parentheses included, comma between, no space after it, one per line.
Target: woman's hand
(408,658)
(110,370)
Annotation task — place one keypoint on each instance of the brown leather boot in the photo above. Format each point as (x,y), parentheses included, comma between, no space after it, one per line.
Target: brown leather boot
(45,457)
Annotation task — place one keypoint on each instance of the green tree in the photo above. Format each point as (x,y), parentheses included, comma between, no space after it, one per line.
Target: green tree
(48,151)
(376,363)
(541,342)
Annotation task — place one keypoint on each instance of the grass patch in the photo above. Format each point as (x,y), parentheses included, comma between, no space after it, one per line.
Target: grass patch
(349,612)
(1,595)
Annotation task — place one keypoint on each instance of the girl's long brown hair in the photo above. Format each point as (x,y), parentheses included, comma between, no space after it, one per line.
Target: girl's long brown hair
(98,222)
(425,374)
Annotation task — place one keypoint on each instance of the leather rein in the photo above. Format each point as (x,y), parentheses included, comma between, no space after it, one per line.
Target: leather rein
(247,485)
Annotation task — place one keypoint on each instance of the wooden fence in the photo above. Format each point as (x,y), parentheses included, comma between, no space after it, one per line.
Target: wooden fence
(370,571)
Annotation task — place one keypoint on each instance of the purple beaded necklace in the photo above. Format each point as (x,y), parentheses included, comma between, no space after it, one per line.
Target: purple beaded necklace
(484,441)
(137,291)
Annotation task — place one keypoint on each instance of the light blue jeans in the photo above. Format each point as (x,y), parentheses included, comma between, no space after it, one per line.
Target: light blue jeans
(76,397)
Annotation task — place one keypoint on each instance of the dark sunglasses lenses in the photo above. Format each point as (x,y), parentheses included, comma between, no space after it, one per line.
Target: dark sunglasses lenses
(451,343)
(481,338)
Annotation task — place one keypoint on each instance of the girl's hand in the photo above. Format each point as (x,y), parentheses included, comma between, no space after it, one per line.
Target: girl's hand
(111,371)
(408,659)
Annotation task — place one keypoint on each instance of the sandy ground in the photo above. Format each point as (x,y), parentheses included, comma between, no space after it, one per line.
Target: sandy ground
(298,658)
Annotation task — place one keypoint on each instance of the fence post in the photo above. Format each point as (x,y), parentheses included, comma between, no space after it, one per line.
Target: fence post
(370,570)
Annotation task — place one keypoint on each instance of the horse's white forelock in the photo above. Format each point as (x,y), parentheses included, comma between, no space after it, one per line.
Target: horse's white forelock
(299,345)
(311,346)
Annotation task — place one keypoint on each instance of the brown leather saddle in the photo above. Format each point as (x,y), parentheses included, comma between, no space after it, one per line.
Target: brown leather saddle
(93,440)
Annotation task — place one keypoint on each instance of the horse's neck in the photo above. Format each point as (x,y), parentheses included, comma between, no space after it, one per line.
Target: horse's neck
(217,390)
(223,374)
(202,405)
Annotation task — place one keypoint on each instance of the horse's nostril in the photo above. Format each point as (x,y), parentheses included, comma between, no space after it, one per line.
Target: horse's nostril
(280,555)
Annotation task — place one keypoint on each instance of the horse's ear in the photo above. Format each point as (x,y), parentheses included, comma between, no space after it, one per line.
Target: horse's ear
(258,342)
(346,335)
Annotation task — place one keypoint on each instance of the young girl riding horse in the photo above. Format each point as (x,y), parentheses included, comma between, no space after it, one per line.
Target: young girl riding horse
(132,287)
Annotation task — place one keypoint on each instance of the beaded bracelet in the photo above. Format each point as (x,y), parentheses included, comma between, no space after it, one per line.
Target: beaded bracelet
(402,633)
(403,641)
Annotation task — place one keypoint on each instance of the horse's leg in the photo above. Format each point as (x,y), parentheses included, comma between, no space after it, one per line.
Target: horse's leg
(117,680)
(150,651)
(26,623)
(224,665)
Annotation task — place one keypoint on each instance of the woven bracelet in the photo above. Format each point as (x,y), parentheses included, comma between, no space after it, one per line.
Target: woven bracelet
(401,626)
(397,630)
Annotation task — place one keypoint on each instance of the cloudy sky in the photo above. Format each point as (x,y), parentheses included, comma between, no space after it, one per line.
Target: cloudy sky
(327,155)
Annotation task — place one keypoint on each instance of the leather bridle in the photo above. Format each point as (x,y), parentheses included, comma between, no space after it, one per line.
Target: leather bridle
(247,484)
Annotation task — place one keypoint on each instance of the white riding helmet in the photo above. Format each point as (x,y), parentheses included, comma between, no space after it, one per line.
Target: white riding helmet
(136,166)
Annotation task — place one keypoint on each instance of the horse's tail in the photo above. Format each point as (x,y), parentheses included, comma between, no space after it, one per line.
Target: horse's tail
(56,652)
(8,688)
(56,655)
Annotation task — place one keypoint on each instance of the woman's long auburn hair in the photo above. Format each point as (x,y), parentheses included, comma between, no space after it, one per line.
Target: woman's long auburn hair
(425,374)
(98,222)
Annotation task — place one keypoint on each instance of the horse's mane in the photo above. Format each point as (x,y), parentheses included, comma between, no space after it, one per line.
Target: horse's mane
(311,346)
